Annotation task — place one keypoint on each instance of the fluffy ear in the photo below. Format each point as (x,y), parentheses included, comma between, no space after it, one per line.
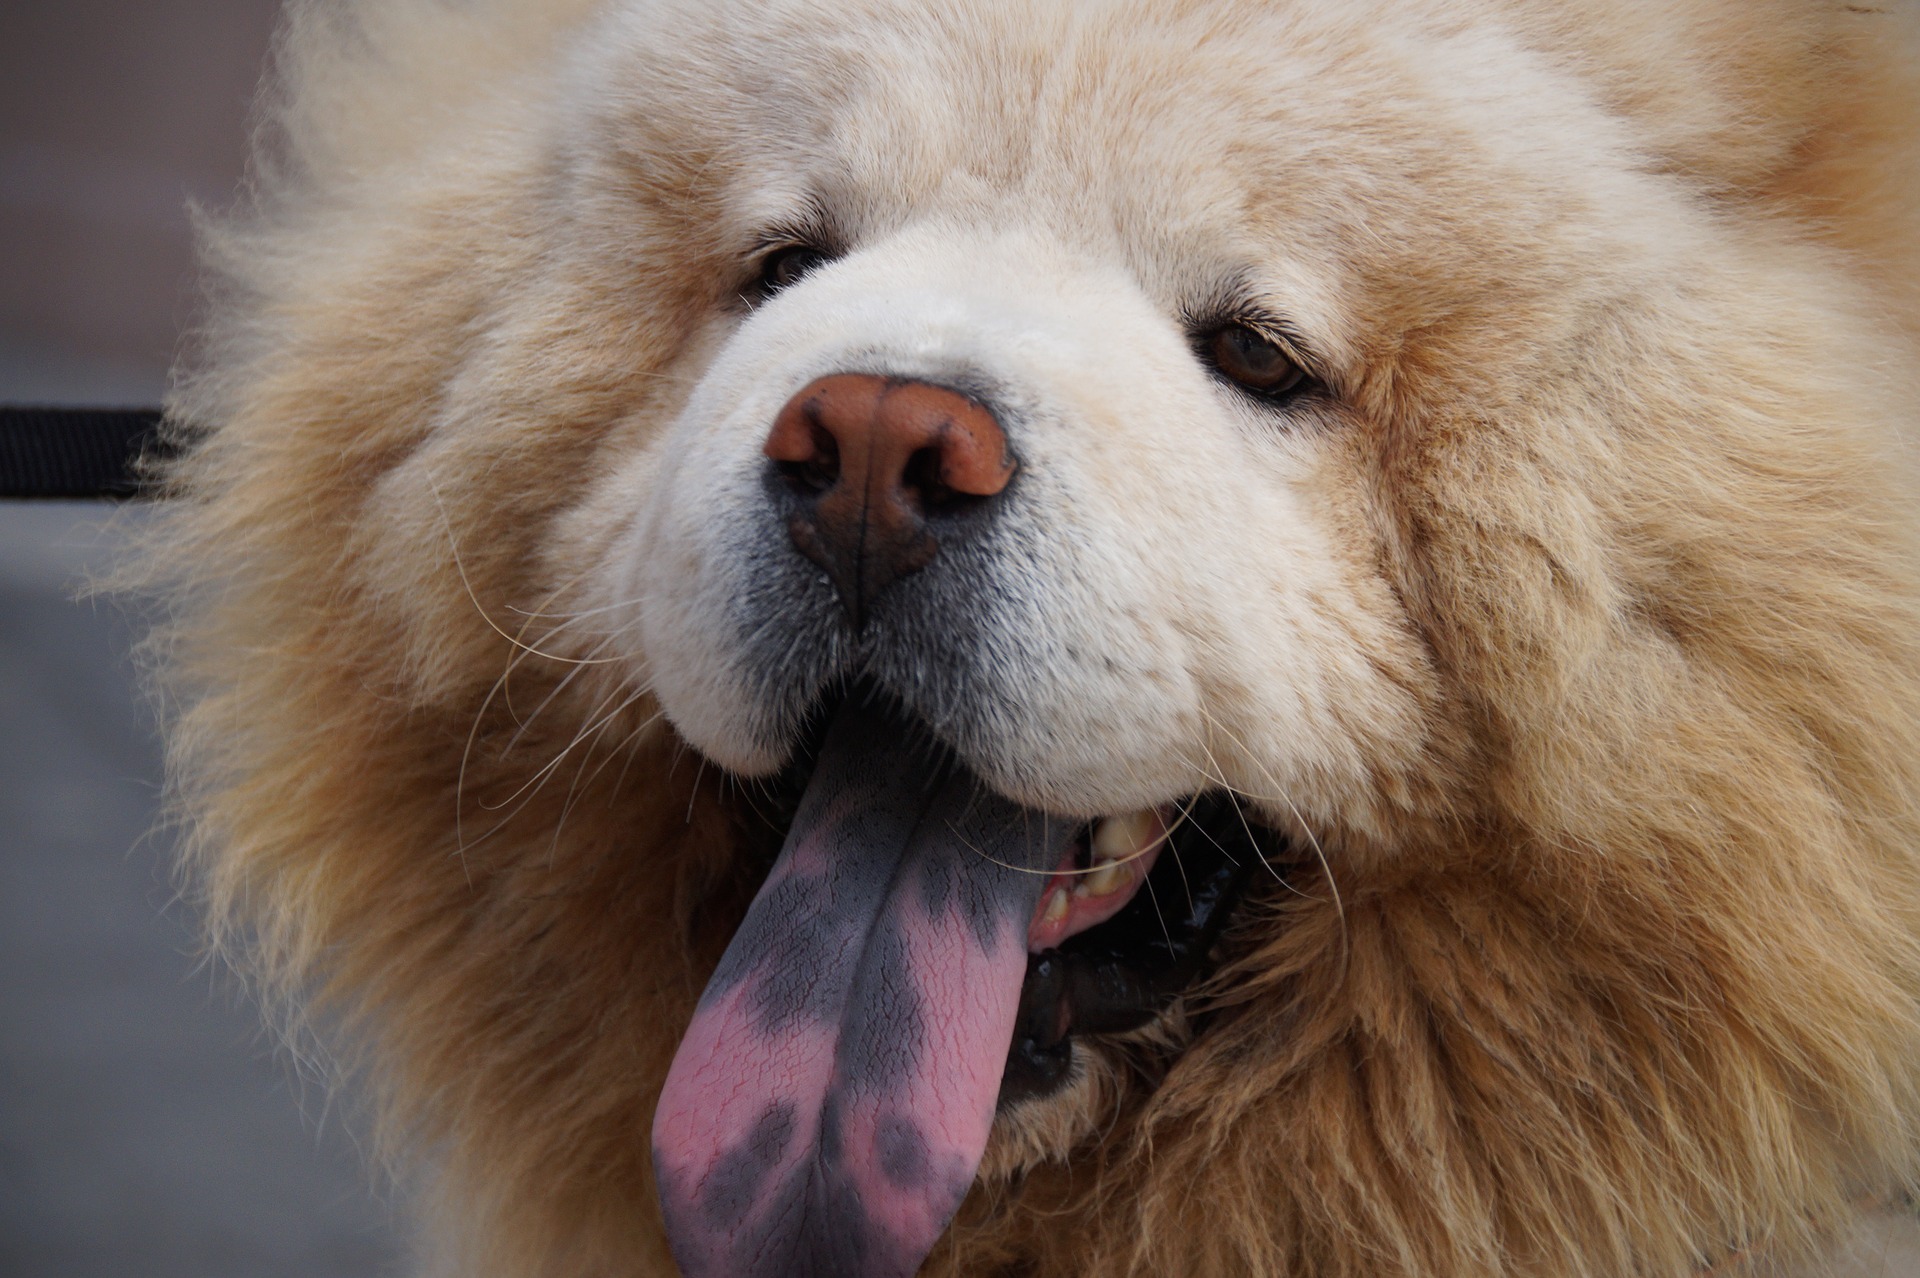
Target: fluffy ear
(362,85)
(1729,94)
(1722,93)
(1856,176)
(1812,106)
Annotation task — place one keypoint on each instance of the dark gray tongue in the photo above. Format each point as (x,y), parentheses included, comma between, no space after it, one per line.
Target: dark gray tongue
(830,1102)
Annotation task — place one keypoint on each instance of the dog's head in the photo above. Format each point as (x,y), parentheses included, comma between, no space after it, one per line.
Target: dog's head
(1021,499)
(1322,444)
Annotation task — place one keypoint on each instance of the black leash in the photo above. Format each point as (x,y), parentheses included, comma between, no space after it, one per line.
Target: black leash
(76,452)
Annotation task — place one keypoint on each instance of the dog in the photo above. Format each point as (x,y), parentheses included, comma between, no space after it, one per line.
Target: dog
(1204,637)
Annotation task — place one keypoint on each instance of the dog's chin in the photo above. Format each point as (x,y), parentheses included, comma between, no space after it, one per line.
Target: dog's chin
(1051,1128)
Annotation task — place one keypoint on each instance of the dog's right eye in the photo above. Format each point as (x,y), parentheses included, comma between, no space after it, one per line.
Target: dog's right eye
(1253,361)
(785,266)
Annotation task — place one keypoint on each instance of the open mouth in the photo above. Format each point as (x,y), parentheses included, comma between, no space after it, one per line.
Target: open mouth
(922,952)
(1144,949)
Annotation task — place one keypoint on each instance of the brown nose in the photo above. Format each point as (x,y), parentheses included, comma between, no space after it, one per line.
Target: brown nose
(882,468)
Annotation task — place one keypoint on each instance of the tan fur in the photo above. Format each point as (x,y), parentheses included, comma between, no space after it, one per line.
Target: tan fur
(1621,974)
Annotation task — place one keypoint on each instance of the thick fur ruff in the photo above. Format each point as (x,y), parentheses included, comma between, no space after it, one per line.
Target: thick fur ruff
(1591,660)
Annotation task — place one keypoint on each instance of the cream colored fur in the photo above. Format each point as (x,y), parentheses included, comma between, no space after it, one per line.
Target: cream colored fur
(1577,625)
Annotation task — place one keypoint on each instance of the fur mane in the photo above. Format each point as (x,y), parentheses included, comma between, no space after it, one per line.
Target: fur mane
(1646,993)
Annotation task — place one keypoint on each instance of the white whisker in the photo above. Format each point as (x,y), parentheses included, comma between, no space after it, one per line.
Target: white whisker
(460,566)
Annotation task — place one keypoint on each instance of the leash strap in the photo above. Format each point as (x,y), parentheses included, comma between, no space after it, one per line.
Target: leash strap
(76,452)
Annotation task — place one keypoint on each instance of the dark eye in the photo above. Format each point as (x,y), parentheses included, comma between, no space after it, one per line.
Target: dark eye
(1252,360)
(785,266)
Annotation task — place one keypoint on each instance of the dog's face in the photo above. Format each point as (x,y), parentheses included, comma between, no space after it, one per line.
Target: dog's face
(1195,576)
(1179,588)
(1335,442)
(1043,375)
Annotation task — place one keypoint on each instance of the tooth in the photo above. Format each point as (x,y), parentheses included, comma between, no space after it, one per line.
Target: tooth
(1117,838)
(1108,878)
(1056,906)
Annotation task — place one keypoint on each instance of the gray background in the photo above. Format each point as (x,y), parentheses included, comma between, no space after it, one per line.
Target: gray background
(147,1125)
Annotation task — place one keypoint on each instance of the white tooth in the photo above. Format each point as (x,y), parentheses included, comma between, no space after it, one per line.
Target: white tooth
(1111,840)
(1107,878)
(1056,906)
(1117,838)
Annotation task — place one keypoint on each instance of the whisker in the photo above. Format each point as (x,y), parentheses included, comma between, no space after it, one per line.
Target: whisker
(1158,913)
(460,566)
(632,747)
(1326,866)
(597,720)
(460,777)
(522,726)
(1186,884)
(1218,775)
(620,747)
(573,791)
(1073,872)
(568,618)
(532,786)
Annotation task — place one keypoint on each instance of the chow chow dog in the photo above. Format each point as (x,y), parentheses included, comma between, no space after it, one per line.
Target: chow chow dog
(1113,637)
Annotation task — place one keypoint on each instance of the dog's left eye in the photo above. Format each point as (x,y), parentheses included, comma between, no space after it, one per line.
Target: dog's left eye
(785,266)
(1252,360)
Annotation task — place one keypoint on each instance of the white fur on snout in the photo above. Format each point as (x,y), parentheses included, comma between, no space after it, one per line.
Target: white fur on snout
(1160,600)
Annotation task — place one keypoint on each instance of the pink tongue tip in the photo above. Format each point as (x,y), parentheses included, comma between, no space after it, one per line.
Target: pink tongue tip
(831,1100)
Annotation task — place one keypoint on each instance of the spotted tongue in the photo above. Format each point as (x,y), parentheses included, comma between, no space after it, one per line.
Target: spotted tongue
(830,1102)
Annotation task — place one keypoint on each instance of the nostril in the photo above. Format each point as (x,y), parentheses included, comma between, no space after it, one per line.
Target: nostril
(820,469)
(922,477)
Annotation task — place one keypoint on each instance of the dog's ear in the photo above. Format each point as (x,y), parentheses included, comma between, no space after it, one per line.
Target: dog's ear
(1732,94)
(1809,106)
(1855,177)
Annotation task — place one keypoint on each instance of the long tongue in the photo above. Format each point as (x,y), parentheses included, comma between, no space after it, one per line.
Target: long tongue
(831,1100)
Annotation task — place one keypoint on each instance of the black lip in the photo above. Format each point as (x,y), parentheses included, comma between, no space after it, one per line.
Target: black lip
(1119,976)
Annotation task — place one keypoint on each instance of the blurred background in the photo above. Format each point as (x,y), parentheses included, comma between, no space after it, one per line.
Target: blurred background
(147,1126)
